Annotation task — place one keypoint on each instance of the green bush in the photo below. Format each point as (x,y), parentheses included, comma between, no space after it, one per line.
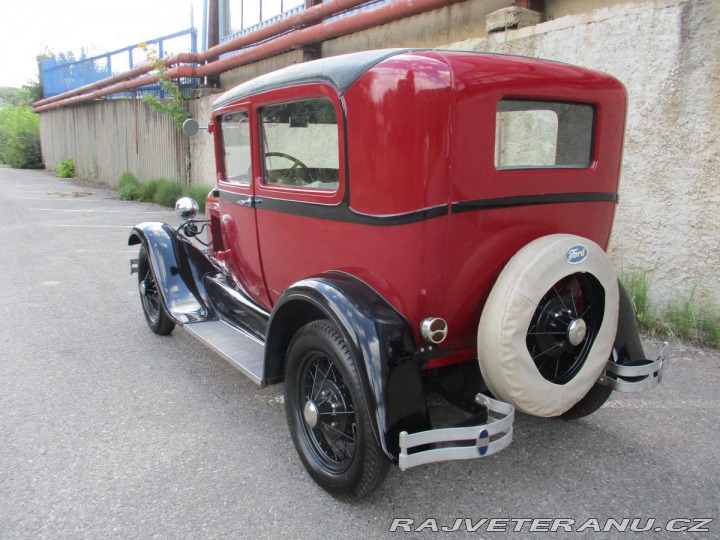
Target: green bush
(128,187)
(167,193)
(148,189)
(160,191)
(19,137)
(199,193)
(65,168)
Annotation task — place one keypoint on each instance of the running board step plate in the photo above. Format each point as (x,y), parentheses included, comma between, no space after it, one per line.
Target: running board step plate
(237,347)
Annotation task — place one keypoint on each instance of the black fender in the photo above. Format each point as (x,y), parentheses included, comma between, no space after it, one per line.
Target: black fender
(179,267)
(379,337)
(628,346)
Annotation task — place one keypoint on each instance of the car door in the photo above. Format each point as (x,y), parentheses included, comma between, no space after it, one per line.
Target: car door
(237,200)
(300,184)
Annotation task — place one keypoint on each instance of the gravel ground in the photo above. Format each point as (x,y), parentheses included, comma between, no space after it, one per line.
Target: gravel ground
(107,430)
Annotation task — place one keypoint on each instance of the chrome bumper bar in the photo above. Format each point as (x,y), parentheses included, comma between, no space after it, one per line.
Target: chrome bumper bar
(489,438)
(634,378)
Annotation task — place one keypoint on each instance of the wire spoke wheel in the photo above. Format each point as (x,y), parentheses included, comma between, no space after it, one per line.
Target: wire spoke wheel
(564,326)
(328,412)
(325,406)
(150,298)
(149,294)
(549,324)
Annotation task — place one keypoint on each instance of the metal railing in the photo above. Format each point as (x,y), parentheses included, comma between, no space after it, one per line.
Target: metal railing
(60,76)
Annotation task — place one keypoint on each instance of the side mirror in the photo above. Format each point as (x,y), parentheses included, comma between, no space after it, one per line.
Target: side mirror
(186,208)
(190,127)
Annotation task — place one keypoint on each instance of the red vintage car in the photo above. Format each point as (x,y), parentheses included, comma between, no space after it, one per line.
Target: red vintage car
(394,222)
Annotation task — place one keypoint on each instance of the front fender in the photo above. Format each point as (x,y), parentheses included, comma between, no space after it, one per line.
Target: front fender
(179,267)
(380,339)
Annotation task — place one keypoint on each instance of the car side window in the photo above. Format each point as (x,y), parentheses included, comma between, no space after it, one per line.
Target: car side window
(235,130)
(300,144)
(543,134)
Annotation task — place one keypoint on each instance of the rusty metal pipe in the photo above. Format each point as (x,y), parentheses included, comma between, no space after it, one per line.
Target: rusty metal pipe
(346,25)
(307,17)
(287,42)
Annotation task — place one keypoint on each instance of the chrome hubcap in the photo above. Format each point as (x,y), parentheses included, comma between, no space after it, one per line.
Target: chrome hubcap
(311,414)
(577,330)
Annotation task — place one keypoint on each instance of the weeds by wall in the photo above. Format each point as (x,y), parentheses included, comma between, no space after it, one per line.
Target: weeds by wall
(692,315)
(160,191)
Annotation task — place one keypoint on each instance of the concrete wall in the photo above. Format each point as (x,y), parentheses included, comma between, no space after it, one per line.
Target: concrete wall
(107,138)
(667,53)
(202,149)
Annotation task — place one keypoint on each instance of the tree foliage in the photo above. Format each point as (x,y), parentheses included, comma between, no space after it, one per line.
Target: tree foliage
(175,106)
(19,136)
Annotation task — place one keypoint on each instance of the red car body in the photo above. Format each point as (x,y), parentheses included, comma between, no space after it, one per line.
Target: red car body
(442,219)
(384,219)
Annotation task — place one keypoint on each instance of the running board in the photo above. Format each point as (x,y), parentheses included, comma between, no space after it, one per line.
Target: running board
(242,350)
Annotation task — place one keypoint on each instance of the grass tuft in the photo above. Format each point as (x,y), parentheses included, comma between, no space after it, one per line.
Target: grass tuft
(65,168)
(167,193)
(161,191)
(128,186)
(688,316)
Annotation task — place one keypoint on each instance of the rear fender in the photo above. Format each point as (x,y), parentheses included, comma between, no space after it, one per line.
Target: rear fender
(179,267)
(379,337)
(628,346)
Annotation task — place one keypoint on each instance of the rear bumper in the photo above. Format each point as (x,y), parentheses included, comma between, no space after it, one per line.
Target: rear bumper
(637,376)
(489,438)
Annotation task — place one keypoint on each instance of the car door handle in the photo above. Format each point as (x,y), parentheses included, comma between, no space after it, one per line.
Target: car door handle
(247,202)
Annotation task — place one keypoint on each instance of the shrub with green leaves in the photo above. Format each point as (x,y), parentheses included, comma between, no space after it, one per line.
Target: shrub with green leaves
(167,193)
(128,186)
(19,137)
(160,191)
(148,189)
(65,168)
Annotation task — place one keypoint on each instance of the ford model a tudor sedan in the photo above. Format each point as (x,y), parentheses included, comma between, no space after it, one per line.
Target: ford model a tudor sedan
(390,223)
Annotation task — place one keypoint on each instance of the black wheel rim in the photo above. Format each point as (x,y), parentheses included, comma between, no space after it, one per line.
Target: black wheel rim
(149,294)
(323,391)
(564,326)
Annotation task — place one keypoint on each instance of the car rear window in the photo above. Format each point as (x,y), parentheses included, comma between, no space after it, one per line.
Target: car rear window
(543,134)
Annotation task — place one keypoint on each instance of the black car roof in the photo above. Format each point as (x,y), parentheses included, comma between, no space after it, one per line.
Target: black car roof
(340,71)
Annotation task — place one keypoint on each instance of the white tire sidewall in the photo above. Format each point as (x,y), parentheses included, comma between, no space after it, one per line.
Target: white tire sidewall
(505,362)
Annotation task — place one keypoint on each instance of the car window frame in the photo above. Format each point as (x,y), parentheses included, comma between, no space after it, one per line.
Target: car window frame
(220,145)
(300,193)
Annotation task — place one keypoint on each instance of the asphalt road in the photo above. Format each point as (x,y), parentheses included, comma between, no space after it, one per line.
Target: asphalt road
(109,431)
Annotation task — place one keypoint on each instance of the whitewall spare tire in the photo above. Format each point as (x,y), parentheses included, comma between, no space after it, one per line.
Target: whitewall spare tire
(548,326)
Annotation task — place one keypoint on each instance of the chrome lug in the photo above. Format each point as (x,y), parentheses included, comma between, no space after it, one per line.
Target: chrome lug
(311,414)
(577,330)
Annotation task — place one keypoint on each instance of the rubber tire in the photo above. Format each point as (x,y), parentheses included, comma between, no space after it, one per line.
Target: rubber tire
(505,362)
(162,325)
(369,465)
(593,400)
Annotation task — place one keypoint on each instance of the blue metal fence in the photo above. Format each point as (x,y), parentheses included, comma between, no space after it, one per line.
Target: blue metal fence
(59,76)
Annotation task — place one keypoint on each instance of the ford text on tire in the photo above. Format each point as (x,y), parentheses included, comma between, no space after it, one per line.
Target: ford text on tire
(392,222)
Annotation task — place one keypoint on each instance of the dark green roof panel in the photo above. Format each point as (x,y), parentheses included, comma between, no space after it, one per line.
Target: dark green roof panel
(340,71)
